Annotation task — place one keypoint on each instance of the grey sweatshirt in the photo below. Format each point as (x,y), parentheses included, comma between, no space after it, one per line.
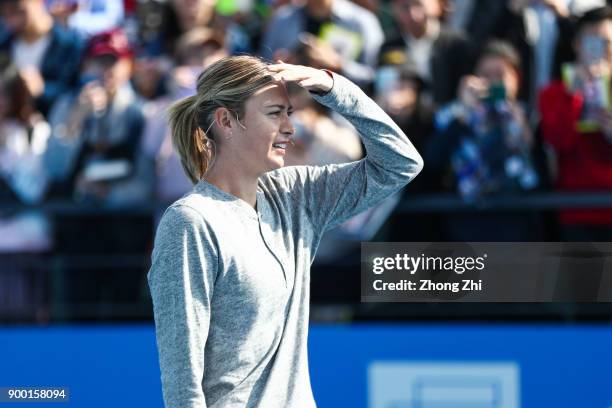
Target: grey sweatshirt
(230,283)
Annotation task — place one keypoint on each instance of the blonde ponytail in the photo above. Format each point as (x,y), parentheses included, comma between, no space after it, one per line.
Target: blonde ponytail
(189,140)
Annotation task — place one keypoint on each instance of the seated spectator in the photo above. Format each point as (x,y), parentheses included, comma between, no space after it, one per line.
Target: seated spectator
(97,130)
(96,134)
(334,34)
(483,146)
(176,17)
(61,10)
(161,24)
(46,55)
(151,64)
(23,140)
(89,17)
(577,123)
(441,56)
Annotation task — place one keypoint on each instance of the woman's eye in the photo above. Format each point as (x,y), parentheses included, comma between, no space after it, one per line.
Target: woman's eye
(279,113)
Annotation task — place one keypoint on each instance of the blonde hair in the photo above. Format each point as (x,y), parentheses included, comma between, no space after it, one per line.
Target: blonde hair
(227,83)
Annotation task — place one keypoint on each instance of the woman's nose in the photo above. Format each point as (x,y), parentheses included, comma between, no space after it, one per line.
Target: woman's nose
(287,126)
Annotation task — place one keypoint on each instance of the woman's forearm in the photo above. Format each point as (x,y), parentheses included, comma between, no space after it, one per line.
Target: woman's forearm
(387,147)
(336,192)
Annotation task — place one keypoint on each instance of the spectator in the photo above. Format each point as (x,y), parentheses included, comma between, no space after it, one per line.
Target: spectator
(23,140)
(476,18)
(485,141)
(61,10)
(400,94)
(441,56)
(96,133)
(334,34)
(46,55)
(540,30)
(160,174)
(399,91)
(577,123)
(89,17)
(162,24)
(179,17)
(97,130)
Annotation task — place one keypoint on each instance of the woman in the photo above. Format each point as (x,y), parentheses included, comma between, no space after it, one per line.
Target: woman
(230,268)
(23,142)
(484,148)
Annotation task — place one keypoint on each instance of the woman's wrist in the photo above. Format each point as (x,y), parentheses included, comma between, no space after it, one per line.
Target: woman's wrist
(328,84)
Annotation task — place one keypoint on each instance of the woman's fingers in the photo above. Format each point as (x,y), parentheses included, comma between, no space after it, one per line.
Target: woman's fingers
(306,77)
(278,66)
(305,83)
(289,74)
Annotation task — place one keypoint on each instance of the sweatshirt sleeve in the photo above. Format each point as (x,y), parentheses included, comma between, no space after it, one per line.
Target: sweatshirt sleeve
(181,279)
(334,193)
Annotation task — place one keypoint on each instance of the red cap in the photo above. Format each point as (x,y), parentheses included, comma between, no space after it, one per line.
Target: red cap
(112,42)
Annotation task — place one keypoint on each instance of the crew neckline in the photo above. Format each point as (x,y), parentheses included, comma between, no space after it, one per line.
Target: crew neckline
(235,201)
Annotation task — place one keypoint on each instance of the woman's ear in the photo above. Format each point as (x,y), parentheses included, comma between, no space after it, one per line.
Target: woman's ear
(223,120)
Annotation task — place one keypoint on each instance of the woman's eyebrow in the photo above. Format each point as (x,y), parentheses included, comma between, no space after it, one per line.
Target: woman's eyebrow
(290,108)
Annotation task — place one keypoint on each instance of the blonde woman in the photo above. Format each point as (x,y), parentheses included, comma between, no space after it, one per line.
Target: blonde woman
(230,268)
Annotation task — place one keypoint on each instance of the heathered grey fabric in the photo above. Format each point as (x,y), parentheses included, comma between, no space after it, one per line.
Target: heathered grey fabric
(230,284)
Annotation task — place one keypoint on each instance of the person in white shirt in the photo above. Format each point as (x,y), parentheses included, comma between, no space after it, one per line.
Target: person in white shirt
(46,55)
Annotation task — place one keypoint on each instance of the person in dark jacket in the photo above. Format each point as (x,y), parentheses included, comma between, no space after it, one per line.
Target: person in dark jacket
(46,54)
(483,147)
(442,56)
(99,126)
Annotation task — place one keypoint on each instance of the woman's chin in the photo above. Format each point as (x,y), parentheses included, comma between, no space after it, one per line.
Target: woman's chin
(276,163)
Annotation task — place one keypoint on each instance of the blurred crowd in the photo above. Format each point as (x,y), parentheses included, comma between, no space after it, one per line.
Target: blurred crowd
(502,97)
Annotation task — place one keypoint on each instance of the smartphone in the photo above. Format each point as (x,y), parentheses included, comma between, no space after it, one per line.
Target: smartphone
(594,48)
(387,79)
(497,93)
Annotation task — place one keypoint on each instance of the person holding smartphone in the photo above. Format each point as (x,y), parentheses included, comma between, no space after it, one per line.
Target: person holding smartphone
(484,136)
(97,129)
(577,123)
(482,146)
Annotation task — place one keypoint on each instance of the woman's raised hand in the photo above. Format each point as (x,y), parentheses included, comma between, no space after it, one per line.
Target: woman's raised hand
(311,79)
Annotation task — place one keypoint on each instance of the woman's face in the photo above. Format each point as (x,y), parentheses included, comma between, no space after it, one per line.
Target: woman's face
(267,123)
(112,72)
(17,15)
(594,44)
(413,15)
